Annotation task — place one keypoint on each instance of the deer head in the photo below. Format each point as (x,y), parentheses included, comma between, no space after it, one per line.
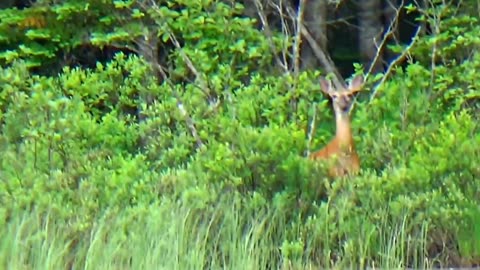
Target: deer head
(342,98)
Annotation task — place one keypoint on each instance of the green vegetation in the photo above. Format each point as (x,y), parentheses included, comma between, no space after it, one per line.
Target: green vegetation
(108,168)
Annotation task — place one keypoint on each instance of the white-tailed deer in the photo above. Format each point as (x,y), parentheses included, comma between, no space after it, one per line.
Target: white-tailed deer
(341,149)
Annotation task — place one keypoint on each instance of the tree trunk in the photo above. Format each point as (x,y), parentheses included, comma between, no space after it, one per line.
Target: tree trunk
(370,34)
(316,22)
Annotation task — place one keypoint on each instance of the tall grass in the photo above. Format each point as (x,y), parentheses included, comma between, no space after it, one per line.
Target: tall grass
(172,235)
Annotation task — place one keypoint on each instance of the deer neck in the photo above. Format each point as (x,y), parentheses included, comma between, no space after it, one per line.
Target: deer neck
(343,129)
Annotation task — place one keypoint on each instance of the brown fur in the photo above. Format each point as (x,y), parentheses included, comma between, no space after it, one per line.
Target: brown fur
(341,149)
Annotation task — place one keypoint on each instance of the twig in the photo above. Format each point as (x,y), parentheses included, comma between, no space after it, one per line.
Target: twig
(296,54)
(146,49)
(298,39)
(285,31)
(433,69)
(203,84)
(188,120)
(326,61)
(390,31)
(311,129)
(394,63)
(268,33)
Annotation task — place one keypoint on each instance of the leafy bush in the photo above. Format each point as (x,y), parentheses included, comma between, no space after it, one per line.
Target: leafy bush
(112,144)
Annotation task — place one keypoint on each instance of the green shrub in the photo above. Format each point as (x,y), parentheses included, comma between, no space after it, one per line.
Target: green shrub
(109,158)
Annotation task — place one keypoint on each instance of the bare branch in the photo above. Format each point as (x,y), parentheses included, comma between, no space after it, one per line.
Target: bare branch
(343,20)
(203,84)
(188,120)
(148,49)
(154,63)
(326,61)
(390,32)
(186,116)
(394,63)
(298,38)
(285,30)
(311,129)
(436,31)
(268,33)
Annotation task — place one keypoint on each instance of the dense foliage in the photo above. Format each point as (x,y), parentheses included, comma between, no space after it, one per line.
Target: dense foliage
(227,145)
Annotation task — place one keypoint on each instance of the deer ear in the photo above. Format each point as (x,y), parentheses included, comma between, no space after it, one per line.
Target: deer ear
(326,85)
(356,84)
